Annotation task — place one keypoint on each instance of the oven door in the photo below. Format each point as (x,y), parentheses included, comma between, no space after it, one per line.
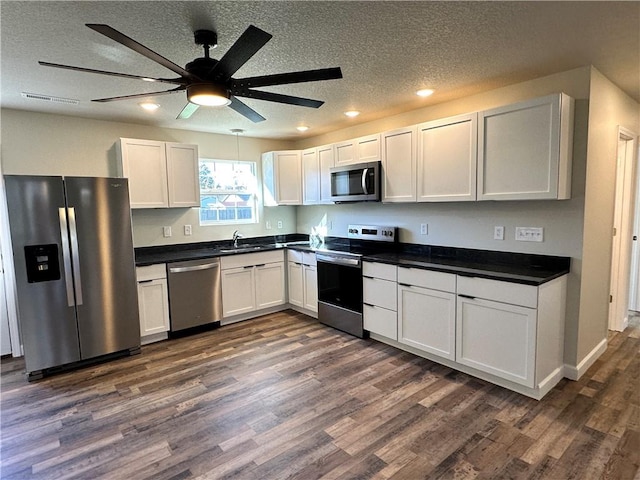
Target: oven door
(340,281)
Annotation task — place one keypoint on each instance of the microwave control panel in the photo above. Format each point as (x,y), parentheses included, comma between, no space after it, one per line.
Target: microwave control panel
(372,232)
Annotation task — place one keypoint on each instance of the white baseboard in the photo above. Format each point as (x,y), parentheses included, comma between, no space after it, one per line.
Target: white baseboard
(574,373)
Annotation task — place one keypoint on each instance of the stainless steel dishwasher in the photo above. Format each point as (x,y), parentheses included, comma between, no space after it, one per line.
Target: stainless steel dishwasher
(195,294)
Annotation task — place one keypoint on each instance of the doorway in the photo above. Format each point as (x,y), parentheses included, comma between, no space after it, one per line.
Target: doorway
(634,290)
(622,231)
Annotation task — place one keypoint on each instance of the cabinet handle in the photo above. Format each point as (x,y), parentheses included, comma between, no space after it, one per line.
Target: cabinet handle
(367,276)
(248,266)
(145,281)
(369,305)
(260,265)
(404,285)
(466,296)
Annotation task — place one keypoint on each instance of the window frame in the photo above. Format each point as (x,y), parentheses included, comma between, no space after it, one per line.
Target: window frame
(252,191)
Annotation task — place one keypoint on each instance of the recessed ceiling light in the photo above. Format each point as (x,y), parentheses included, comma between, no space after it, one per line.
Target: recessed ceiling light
(147,79)
(302,128)
(424,92)
(149,106)
(352,113)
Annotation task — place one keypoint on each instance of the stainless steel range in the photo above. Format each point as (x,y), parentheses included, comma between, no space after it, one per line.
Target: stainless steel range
(340,280)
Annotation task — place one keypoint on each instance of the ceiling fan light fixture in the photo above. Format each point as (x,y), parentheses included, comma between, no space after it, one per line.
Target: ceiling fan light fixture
(208,95)
(352,113)
(149,106)
(302,128)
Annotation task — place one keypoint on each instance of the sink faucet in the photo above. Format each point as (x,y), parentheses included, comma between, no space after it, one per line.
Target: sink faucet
(236,236)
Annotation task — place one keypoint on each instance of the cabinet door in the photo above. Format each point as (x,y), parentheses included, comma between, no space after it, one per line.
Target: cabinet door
(519,150)
(368,148)
(326,160)
(153,304)
(399,165)
(447,159)
(144,163)
(296,284)
(288,178)
(311,177)
(183,175)
(345,153)
(497,338)
(310,281)
(427,319)
(238,291)
(270,281)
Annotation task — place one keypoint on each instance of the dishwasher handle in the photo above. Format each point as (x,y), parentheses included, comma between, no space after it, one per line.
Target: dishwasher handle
(194,268)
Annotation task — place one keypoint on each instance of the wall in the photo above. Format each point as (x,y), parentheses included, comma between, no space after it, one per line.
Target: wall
(44,144)
(609,108)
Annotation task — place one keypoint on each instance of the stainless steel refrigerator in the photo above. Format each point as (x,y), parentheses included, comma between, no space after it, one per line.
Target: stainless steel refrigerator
(75,271)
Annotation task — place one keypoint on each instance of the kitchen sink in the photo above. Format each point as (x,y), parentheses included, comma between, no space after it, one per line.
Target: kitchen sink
(247,248)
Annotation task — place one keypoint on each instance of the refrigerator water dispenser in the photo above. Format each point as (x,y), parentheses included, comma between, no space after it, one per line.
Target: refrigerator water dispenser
(42,262)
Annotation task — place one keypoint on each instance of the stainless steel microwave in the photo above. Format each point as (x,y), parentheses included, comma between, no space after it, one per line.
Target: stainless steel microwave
(359,182)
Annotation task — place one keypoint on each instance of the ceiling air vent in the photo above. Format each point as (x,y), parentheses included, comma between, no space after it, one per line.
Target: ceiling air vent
(49,98)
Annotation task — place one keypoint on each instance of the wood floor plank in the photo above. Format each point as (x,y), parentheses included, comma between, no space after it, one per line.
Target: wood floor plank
(283,396)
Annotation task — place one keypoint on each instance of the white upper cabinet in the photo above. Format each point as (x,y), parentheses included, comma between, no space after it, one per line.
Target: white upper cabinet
(399,165)
(160,174)
(183,175)
(447,154)
(282,178)
(359,150)
(326,160)
(525,150)
(310,177)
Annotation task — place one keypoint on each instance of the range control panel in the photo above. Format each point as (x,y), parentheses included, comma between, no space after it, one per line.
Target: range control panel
(372,232)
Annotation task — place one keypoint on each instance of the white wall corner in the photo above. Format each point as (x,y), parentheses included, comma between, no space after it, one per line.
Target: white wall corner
(575,372)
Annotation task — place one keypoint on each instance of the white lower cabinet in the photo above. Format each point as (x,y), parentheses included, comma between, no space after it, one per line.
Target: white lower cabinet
(512,331)
(427,316)
(153,302)
(251,282)
(380,301)
(303,281)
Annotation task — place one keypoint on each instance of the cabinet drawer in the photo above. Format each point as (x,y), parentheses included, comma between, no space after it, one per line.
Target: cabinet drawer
(379,270)
(445,282)
(382,293)
(505,292)
(381,321)
(294,256)
(249,259)
(151,272)
(309,258)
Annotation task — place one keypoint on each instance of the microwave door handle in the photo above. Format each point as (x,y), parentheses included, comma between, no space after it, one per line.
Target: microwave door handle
(364,181)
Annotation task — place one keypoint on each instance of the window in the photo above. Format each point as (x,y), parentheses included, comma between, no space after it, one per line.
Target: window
(228,192)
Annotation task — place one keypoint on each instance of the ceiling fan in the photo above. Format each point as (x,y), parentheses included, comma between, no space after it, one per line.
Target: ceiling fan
(209,82)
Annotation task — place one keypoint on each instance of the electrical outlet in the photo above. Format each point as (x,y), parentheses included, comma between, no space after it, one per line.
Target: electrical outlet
(267,224)
(187,230)
(424,229)
(166,231)
(279,223)
(498,232)
(529,234)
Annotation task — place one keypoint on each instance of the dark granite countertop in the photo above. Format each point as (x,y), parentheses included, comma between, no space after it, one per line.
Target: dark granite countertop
(529,269)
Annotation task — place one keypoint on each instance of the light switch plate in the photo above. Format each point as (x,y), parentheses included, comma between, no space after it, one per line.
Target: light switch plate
(529,234)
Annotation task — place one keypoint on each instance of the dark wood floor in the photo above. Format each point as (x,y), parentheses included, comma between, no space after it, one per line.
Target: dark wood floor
(285,397)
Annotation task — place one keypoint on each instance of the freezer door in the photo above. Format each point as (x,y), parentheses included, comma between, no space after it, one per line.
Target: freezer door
(104,268)
(45,297)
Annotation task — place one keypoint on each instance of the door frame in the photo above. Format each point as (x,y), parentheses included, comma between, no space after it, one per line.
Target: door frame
(9,276)
(623,229)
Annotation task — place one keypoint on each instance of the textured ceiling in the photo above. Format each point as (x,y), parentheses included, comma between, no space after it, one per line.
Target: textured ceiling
(387,50)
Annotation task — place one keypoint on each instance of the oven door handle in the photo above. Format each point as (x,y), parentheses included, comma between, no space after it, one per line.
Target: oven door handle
(350,262)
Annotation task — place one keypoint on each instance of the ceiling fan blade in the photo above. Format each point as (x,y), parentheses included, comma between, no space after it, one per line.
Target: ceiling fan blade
(188,110)
(287,78)
(179,81)
(277,97)
(139,95)
(245,110)
(122,39)
(252,40)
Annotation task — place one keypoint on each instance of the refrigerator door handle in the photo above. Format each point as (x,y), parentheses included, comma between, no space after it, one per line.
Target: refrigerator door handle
(66,256)
(75,254)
